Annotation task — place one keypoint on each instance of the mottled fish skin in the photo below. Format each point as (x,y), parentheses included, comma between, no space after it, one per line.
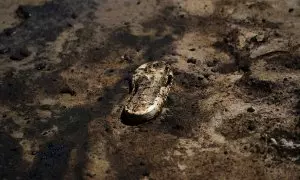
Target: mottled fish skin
(151,84)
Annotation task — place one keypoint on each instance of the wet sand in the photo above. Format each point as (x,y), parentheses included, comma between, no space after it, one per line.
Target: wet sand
(232,113)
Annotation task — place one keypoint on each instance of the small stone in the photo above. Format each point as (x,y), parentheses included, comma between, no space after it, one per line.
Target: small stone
(146,172)
(109,71)
(291,10)
(44,120)
(23,12)
(212,63)
(274,142)
(45,133)
(200,77)
(44,114)
(192,60)
(70,23)
(90,174)
(182,166)
(68,90)
(207,75)
(251,127)
(205,82)
(17,57)
(177,153)
(288,144)
(214,70)
(74,15)
(10,31)
(126,57)
(48,101)
(24,51)
(138,48)
(40,66)
(250,109)
(260,38)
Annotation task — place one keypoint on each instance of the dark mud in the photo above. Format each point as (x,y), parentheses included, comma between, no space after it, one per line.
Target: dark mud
(68,111)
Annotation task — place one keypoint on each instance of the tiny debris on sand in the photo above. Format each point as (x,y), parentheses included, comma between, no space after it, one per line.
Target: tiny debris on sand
(231,113)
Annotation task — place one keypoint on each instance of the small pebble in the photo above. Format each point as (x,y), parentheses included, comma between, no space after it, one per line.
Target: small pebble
(251,109)
(192,60)
(126,57)
(10,31)
(146,172)
(90,174)
(214,70)
(109,71)
(16,57)
(40,66)
(260,38)
(24,51)
(200,77)
(273,141)
(212,63)
(74,15)
(23,12)
(251,127)
(68,90)
(70,23)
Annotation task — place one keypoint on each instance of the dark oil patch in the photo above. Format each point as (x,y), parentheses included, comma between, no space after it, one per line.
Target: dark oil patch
(51,161)
(44,23)
(11,157)
(13,90)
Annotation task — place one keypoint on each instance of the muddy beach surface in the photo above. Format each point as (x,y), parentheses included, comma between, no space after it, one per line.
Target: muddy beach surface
(232,113)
